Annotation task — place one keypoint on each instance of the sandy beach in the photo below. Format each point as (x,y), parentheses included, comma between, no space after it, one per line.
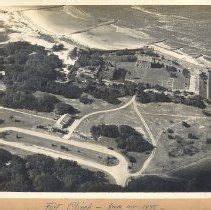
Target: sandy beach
(92,34)
(82,29)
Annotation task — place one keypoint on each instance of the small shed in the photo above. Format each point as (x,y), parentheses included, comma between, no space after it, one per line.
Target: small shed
(64,121)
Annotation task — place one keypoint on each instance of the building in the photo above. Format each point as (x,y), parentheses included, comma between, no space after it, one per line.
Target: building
(209,86)
(64,121)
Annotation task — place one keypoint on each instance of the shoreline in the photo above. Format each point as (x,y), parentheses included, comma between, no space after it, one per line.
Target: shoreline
(84,41)
(29,30)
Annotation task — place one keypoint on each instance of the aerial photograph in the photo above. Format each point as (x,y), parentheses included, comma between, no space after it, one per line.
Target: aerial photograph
(105,98)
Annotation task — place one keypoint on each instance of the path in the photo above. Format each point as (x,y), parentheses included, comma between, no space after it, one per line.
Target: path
(29,114)
(145,124)
(119,172)
(76,123)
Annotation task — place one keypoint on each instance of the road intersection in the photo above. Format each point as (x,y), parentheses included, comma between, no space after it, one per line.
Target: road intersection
(119,172)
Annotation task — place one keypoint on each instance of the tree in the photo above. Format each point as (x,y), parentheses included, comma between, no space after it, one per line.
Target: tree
(47,183)
(126,137)
(110,131)
(5,156)
(58,47)
(186,73)
(95,131)
(46,102)
(63,108)
(41,163)
(74,53)
(119,74)
(156,184)
(86,99)
(18,183)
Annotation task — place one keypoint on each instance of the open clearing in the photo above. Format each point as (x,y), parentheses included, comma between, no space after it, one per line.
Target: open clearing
(170,109)
(196,148)
(16,151)
(62,147)
(16,119)
(97,105)
(126,116)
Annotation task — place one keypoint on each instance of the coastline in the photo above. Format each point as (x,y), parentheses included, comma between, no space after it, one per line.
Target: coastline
(98,38)
(31,26)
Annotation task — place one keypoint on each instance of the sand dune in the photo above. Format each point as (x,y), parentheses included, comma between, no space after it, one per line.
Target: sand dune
(89,32)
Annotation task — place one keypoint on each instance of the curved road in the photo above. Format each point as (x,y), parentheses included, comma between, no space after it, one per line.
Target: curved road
(76,123)
(119,172)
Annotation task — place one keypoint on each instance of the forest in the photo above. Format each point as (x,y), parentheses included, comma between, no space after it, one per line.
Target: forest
(126,137)
(40,173)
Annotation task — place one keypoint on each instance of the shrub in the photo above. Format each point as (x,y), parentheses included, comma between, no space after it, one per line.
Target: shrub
(63,108)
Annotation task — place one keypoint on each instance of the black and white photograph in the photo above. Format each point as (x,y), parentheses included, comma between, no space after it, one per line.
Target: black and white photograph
(105,98)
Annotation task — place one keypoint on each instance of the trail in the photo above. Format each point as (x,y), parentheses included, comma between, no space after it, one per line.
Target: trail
(76,123)
(149,159)
(118,172)
(145,124)
(25,113)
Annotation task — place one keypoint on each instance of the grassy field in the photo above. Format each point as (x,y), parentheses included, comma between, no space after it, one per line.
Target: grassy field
(62,147)
(150,75)
(140,158)
(170,109)
(164,163)
(125,116)
(16,151)
(98,104)
(202,166)
(160,116)
(15,119)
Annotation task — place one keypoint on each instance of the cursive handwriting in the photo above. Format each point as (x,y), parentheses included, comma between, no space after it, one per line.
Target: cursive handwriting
(80,205)
(52,206)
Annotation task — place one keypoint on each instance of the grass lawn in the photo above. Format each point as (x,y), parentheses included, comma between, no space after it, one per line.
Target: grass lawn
(15,119)
(164,163)
(15,151)
(62,147)
(126,116)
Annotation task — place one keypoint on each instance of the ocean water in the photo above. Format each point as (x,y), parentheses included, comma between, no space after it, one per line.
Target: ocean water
(187,27)
(183,26)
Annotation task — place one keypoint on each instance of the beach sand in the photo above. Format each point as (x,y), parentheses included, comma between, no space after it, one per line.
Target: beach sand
(96,35)
(77,28)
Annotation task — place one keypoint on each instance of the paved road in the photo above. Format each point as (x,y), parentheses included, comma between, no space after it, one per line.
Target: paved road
(116,171)
(76,123)
(119,172)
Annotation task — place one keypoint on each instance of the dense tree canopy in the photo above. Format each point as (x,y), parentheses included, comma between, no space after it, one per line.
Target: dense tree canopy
(62,108)
(43,174)
(127,138)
